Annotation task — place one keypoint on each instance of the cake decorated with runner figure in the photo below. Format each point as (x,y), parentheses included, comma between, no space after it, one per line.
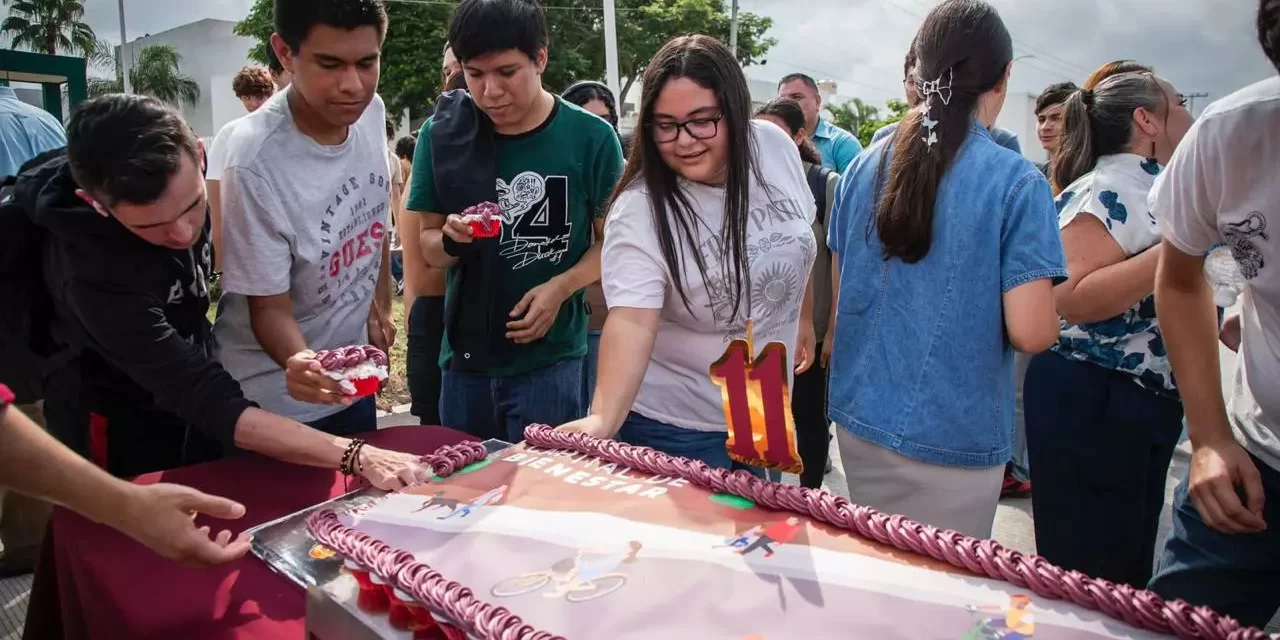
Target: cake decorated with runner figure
(567,536)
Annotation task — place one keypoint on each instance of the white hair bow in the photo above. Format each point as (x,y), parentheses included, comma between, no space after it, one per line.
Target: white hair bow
(928,89)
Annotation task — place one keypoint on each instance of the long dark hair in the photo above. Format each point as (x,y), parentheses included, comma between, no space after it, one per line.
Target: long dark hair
(711,65)
(1100,122)
(790,113)
(963,43)
(1268,30)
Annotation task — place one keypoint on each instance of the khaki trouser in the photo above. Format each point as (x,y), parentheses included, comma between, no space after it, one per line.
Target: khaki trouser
(23,519)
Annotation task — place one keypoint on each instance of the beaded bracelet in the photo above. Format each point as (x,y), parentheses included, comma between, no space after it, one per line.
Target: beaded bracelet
(351,464)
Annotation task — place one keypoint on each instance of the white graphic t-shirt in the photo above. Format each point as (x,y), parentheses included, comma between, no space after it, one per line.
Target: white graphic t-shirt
(303,218)
(677,388)
(1221,187)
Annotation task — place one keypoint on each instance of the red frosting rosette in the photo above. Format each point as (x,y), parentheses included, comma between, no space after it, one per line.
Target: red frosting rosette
(359,369)
(484,219)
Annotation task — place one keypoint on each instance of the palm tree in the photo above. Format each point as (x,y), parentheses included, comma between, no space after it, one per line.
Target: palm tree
(155,73)
(104,57)
(49,26)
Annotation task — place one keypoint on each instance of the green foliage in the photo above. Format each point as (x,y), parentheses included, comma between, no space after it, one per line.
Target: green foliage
(645,25)
(49,26)
(863,120)
(897,111)
(156,73)
(416,36)
(853,115)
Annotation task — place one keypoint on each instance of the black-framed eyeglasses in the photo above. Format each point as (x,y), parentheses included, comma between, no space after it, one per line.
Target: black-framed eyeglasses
(1182,100)
(697,128)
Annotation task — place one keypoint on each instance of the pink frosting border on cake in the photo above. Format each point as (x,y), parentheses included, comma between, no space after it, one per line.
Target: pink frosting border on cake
(454,601)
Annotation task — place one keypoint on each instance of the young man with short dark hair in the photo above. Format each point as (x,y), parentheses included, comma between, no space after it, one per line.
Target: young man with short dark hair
(306,205)
(516,322)
(837,146)
(119,219)
(1049,107)
(1224,549)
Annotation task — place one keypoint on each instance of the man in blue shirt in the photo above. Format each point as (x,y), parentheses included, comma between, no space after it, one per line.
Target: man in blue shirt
(25,132)
(837,146)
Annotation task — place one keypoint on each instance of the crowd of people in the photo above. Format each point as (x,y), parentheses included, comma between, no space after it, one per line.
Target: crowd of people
(966,324)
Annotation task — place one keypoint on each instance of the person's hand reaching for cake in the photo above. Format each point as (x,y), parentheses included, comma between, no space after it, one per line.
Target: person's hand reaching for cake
(161,517)
(306,382)
(533,316)
(390,470)
(592,425)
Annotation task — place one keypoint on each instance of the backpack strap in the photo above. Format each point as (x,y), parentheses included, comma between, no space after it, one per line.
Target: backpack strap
(817,176)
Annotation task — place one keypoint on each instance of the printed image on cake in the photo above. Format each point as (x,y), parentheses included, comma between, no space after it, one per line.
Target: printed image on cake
(566,536)
(359,369)
(484,219)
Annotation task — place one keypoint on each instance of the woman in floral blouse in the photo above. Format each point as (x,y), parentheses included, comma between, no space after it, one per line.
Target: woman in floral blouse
(1102,410)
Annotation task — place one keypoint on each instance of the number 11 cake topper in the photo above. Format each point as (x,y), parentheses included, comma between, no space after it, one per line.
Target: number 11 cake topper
(757,404)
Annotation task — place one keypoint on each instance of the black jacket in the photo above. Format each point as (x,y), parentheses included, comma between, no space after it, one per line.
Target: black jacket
(465,166)
(133,314)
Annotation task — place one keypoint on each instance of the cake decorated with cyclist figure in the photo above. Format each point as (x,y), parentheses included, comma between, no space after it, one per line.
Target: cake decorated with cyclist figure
(567,536)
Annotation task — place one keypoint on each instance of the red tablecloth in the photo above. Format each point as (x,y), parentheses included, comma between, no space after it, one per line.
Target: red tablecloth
(93,582)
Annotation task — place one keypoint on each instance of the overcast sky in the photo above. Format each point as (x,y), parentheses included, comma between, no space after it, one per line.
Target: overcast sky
(1199,45)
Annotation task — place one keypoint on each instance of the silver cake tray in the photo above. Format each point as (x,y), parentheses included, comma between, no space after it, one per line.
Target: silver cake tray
(286,547)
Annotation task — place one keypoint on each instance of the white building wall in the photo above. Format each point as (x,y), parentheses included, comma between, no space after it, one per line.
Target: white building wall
(1019,116)
(211,55)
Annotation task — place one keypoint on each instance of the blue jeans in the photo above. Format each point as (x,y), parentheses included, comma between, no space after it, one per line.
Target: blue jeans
(589,369)
(1234,574)
(707,446)
(1021,462)
(357,418)
(397,265)
(501,407)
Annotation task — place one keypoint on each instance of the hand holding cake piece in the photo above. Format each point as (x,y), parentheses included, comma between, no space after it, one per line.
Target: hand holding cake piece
(483,219)
(358,369)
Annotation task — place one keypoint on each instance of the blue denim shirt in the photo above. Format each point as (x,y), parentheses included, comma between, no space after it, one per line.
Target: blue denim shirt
(922,364)
(25,132)
(1002,136)
(837,146)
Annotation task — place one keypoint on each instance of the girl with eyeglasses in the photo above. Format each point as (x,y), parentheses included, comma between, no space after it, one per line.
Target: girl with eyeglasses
(1102,410)
(710,227)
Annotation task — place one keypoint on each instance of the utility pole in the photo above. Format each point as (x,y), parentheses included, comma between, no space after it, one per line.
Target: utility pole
(1191,101)
(732,28)
(610,52)
(120,62)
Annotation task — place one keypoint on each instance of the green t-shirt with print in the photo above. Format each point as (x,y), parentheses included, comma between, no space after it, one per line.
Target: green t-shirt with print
(553,183)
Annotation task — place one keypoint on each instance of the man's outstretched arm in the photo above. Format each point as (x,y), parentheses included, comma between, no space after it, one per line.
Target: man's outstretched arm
(158,516)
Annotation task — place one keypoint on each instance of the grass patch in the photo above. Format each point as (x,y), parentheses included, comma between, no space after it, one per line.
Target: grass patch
(397,390)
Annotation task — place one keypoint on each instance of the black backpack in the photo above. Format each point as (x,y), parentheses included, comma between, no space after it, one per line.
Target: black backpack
(29,350)
(817,175)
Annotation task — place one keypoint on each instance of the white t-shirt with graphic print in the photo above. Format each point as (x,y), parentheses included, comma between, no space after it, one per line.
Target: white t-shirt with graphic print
(1116,193)
(307,219)
(677,388)
(1221,187)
